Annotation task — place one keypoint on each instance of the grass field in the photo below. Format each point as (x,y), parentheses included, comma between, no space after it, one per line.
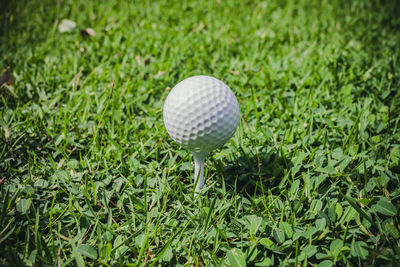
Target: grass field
(89,175)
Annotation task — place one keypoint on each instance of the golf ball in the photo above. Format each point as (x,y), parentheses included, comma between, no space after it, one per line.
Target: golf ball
(201,113)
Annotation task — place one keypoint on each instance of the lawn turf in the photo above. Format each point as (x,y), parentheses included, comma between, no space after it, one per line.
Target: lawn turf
(89,175)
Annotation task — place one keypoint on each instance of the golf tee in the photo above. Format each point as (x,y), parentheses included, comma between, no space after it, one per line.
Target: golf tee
(198,176)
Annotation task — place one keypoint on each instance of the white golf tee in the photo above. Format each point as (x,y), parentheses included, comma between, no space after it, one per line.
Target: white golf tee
(198,176)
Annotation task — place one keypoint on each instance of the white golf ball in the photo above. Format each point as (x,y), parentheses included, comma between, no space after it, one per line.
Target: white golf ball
(201,113)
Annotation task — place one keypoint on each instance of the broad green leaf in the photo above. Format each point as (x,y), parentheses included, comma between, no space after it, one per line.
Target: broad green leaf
(346,89)
(107,236)
(389,227)
(307,252)
(335,246)
(121,251)
(139,240)
(358,249)
(332,214)
(306,184)
(185,166)
(319,179)
(345,162)
(78,257)
(23,205)
(328,170)
(349,216)
(105,251)
(168,254)
(32,257)
(118,241)
(320,224)
(353,149)
(285,226)
(236,258)
(255,224)
(395,156)
(295,169)
(268,243)
(278,235)
(370,185)
(385,207)
(338,154)
(59,139)
(294,187)
(364,201)
(41,183)
(134,164)
(322,256)
(325,263)
(266,262)
(383,179)
(73,164)
(62,176)
(252,252)
(88,251)
(319,158)
(316,205)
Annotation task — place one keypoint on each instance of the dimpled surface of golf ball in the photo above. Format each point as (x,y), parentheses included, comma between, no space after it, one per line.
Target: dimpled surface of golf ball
(201,113)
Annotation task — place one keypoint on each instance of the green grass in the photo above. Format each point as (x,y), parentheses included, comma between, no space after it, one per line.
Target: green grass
(89,175)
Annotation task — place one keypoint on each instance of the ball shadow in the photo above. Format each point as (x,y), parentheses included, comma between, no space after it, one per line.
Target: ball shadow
(253,173)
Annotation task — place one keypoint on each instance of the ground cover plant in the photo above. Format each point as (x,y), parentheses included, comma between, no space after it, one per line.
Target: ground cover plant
(89,176)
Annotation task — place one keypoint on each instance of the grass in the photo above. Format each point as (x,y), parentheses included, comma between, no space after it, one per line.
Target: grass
(89,175)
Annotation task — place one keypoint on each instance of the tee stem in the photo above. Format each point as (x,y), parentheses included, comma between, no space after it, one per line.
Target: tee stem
(198,178)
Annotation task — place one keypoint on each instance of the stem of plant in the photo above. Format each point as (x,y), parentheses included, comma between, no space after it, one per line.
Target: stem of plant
(198,176)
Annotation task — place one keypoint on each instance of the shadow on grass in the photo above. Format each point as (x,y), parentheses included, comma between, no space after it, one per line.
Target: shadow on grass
(26,149)
(249,171)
